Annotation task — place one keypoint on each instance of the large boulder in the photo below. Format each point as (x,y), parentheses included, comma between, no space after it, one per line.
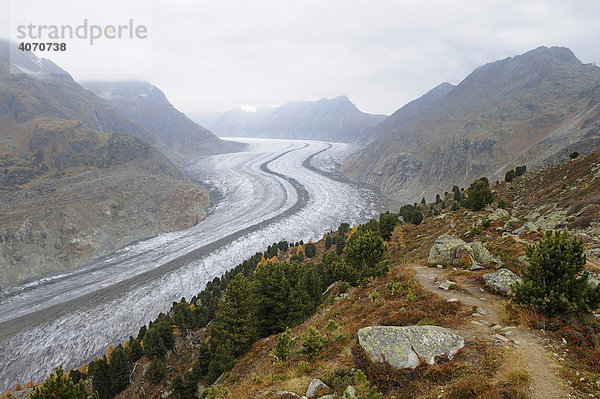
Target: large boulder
(449,250)
(498,214)
(403,347)
(316,389)
(452,250)
(501,280)
(481,255)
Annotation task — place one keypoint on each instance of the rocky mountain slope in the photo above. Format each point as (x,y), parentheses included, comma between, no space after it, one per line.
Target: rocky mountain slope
(531,109)
(178,137)
(336,119)
(76,182)
(440,315)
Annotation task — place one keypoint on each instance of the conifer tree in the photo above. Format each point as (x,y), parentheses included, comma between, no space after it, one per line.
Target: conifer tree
(57,385)
(283,347)
(134,350)
(221,362)
(119,369)
(310,250)
(555,282)
(387,222)
(155,371)
(236,320)
(100,373)
(364,255)
(154,346)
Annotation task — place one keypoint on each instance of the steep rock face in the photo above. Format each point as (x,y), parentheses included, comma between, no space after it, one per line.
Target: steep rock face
(177,135)
(531,109)
(335,119)
(72,189)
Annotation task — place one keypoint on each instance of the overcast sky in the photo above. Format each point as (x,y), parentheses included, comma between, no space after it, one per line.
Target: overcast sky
(216,55)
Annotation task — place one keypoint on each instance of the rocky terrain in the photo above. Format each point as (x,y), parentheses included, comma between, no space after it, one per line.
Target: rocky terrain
(531,109)
(335,119)
(439,324)
(178,137)
(78,179)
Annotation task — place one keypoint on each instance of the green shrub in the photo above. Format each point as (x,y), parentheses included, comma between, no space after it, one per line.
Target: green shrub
(283,347)
(312,342)
(510,176)
(555,281)
(478,195)
(155,371)
(486,223)
(59,386)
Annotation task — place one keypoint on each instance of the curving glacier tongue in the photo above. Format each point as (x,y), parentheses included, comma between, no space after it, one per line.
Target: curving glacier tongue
(269,193)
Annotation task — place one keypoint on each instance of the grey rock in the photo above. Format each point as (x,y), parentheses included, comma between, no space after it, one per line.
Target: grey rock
(496,327)
(449,250)
(350,393)
(446,285)
(476,267)
(317,388)
(498,214)
(500,338)
(402,347)
(481,311)
(452,250)
(501,280)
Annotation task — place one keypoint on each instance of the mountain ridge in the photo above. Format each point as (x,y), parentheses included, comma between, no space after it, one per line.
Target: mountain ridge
(335,119)
(178,136)
(530,109)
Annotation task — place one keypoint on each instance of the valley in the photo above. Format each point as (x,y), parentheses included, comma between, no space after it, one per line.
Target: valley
(268,194)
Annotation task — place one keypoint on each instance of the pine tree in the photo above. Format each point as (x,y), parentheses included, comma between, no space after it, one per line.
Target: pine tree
(155,371)
(312,342)
(283,347)
(364,255)
(119,369)
(154,346)
(363,388)
(202,361)
(555,282)
(310,250)
(236,320)
(221,362)
(134,350)
(100,373)
(273,286)
(328,242)
(478,195)
(59,386)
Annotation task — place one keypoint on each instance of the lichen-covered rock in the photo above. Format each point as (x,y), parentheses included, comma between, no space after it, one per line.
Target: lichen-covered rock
(449,250)
(349,393)
(498,214)
(402,347)
(481,255)
(452,250)
(317,388)
(501,280)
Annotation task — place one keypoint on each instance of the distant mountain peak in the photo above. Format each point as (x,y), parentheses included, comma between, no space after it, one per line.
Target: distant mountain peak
(28,63)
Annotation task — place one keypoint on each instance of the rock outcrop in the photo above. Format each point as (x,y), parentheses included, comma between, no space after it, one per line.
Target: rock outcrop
(317,389)
(501,280)
(450,250)
(403,347)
